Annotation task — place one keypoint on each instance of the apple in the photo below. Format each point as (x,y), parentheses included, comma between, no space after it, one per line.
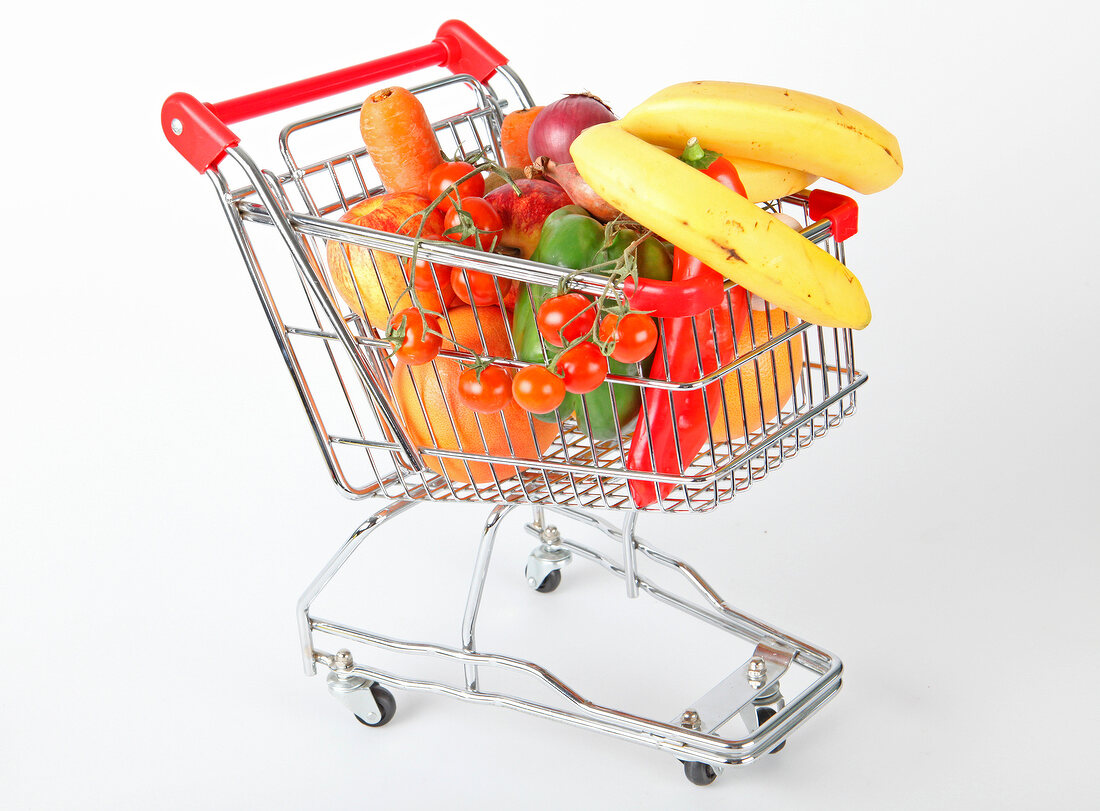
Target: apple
(523,214)
(374,278)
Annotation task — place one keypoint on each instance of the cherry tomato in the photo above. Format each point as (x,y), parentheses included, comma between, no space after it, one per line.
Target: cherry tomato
(537,389)
(488,393)
(510,293)
(562,319)
(417,345)
(583,367)
(443,177)
(475,287)
(634,334)
(426,275)
(479,213)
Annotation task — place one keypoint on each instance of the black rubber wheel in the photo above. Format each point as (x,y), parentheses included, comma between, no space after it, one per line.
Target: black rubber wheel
(552,581)
(387,705)
(764,714)
(701,774)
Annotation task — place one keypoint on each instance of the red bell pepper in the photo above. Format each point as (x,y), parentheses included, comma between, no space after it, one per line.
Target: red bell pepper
(679,419)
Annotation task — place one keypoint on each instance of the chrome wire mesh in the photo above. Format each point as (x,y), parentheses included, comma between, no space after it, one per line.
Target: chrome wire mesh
(788,383)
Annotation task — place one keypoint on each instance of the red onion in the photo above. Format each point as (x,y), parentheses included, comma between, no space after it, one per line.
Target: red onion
(567,176)
(554,129)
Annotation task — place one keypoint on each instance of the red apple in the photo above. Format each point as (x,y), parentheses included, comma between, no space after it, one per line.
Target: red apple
(523,214)
(372,282)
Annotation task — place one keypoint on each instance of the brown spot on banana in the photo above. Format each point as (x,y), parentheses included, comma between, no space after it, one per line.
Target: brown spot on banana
(729,251)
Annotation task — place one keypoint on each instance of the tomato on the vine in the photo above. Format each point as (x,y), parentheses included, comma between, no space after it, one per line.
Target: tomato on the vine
(510,290)
(583,367)
(537,389)
(415,345)
(426,275)
(563,319)
(475,287)
(634,334)
(445,175)
(487,391)
(476,213)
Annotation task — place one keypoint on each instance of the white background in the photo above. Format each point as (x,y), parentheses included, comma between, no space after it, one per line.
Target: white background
(163,503)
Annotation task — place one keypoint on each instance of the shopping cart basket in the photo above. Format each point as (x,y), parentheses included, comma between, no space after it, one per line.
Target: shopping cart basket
(788,384)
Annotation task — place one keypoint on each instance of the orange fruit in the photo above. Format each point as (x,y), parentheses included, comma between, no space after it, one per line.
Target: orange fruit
(787,357)
(380,282)
(435,417)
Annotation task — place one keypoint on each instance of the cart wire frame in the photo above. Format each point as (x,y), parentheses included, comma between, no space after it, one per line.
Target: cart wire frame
(370,451)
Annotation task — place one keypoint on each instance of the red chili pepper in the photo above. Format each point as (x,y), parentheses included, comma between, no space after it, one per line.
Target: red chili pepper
(682,419)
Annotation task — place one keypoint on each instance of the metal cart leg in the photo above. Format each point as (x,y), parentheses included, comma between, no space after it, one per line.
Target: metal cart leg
(477,586)
(750,692)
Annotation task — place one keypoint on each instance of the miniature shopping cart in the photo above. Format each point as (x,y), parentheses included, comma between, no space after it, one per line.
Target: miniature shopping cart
(788,385)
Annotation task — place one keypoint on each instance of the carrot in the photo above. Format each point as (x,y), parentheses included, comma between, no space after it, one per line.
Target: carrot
(513,136)
(399,139)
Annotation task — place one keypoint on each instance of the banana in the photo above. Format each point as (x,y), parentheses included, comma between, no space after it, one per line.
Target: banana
(766,181)
(774,125)
(720,227)
(763,181)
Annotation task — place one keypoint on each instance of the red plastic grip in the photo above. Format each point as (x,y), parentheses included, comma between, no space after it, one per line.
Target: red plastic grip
(678,299)
(841,212)
(195,131)
(200,133)
(468,52)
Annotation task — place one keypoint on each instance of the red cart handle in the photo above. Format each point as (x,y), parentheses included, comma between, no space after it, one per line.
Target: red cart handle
(841,212)
(200,133)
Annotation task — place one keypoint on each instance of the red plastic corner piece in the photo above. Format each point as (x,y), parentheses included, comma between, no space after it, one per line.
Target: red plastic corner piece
(468,52)
(196,133)
(842,212)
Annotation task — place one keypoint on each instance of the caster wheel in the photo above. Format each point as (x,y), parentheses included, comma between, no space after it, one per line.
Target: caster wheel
(701,774)
(552,581)
(764,714)
(387,705)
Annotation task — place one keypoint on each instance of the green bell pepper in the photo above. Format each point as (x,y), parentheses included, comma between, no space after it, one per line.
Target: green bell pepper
(572,239)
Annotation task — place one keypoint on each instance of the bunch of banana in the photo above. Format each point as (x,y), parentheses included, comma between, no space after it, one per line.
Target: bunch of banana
(780,137)
(772,125)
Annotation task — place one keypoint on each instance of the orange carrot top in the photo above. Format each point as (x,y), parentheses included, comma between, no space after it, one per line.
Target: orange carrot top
(399,139)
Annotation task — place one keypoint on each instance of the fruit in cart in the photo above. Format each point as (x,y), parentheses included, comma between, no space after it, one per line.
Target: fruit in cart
(583,367)
(415,336)
(720,227)
(554,129)
(485,389)
(565,318)
(522,215)
(371,282)
(634,336)
(475,223)
(514,131)
(769,379)
(775,125)
(495,181)
(438,300)
(538,390)
(766,181)
(579,192)
(676,425)
(482,289)
(400,140)
(572,239)
(433,413)
(762,181)
(448,178)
